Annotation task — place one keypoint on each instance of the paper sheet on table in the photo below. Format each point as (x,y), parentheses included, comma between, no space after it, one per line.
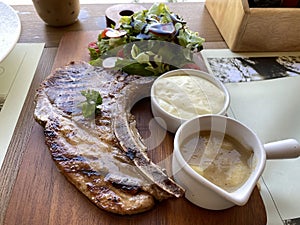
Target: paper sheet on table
(272,109)
(18,69)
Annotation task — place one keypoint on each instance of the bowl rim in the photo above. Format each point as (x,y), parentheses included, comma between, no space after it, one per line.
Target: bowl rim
(241,195)
(207,76)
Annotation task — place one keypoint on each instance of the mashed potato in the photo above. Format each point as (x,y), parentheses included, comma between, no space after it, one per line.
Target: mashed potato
(186,96)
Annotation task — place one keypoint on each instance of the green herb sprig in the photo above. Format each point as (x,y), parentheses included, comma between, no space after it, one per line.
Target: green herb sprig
(91,106)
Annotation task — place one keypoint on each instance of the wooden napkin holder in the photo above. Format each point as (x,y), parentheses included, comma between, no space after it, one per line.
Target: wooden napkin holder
(256,29)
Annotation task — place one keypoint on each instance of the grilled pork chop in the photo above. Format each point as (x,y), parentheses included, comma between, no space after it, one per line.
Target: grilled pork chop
(104,157)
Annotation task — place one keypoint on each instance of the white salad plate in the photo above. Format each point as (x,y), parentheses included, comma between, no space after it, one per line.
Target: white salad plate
(10,29)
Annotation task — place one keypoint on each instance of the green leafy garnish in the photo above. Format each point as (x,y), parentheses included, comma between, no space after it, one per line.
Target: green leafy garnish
(90,107)
(144,43)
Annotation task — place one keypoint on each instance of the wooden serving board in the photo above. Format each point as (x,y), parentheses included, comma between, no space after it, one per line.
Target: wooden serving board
(69,206)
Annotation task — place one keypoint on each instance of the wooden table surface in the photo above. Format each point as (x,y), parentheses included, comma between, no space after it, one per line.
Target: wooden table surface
(32,191)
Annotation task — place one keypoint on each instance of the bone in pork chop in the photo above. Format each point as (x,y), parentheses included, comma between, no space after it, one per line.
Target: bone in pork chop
(104,157)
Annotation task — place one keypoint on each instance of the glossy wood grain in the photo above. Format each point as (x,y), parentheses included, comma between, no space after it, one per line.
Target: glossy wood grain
(33,191)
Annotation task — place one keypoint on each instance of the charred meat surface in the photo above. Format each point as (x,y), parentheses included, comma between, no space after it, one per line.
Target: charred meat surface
(104,157)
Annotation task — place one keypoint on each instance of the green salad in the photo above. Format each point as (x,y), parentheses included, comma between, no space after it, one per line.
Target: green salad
(148,43)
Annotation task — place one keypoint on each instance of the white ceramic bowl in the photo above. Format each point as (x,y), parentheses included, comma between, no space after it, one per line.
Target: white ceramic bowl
(201,191)
(170,121)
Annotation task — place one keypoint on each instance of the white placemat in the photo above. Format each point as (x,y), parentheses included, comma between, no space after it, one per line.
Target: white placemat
(272,109)
(21,64)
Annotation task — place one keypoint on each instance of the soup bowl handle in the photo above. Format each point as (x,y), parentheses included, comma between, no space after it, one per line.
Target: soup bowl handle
(283,149)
